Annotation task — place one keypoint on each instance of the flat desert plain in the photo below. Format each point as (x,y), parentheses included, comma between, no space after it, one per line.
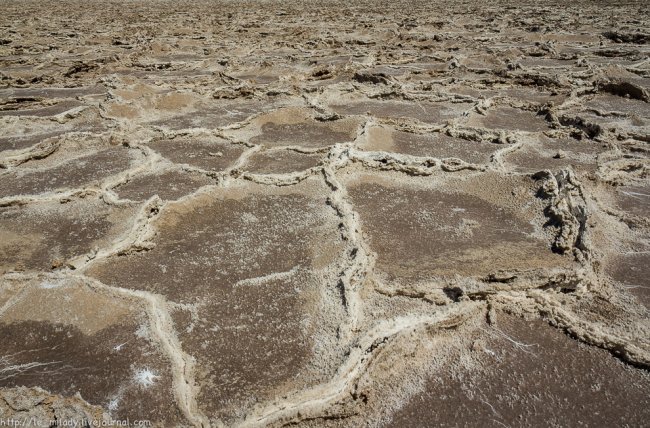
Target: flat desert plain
(324,214)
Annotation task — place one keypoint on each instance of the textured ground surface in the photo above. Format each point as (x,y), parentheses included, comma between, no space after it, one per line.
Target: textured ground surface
(317,214)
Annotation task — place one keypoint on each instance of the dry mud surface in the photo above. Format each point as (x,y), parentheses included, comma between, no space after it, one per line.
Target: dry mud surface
(324,214)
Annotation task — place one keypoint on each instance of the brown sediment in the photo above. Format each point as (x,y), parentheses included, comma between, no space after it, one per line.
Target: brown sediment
(252,214)
(230,256)
(556,154)
(305,135)
(281,162)
(73,362)
(211,117)
(168,185)
(46,235)
(422,230)
(525,376)
(101,352)
(634,200)
(632,271)
(434,144)
(80,172)
(510,119)
(209,154)
(297,127)
(426,112)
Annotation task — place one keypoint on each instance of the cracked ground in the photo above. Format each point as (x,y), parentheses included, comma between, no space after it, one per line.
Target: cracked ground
(325,214)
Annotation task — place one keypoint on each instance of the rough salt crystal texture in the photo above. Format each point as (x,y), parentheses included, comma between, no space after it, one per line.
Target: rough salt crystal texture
(342,214)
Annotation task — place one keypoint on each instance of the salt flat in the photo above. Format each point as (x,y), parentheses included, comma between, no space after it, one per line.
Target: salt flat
(334,214)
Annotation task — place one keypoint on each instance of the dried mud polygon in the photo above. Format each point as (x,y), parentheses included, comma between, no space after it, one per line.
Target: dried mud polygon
(326,215)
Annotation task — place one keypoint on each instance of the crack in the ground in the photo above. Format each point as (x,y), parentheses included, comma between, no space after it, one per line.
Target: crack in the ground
(452,301)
